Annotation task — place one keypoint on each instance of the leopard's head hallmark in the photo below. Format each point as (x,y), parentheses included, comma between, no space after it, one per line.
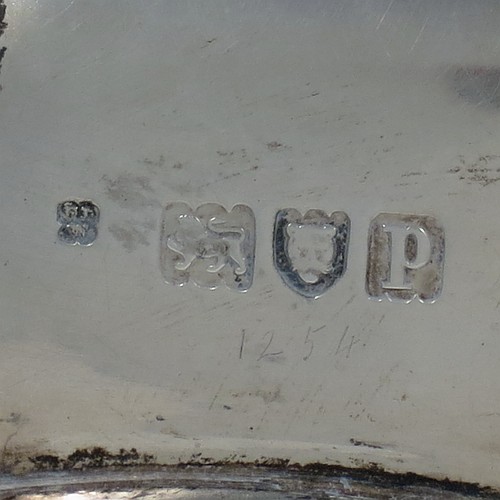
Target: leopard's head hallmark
(310,251)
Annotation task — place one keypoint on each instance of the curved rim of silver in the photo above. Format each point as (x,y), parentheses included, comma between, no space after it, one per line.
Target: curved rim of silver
(209,481)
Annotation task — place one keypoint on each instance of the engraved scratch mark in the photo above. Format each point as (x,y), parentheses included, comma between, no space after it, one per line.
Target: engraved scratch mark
(342,339)
(266,354)
(384,14)
(349,301)
(59,14)
(419,35)
(354,341)
(228,304)
(215,397)
(230,46)
(308,341)
(229,176)
(318,329)
(243,333)
(106,278)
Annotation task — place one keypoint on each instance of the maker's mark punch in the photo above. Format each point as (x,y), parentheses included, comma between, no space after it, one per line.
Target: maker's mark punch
(78,220)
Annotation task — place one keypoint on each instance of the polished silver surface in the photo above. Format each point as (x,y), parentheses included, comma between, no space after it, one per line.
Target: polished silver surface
(359,108)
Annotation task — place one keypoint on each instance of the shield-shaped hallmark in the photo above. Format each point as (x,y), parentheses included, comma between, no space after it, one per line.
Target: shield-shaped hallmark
(310,251)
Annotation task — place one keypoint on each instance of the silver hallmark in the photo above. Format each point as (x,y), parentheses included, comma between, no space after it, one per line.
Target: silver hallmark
(405,257)
(310,251)
(209,246)
(78,220)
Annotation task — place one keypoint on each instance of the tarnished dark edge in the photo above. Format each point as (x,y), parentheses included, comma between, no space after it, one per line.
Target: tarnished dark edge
(97,469)
(313,481)
(3,25)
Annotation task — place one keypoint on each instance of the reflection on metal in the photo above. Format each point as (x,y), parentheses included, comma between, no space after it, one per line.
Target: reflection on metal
(230,483)
(310,251)
(367,107)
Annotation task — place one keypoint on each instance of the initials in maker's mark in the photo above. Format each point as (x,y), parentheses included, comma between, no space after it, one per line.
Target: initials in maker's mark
(78,221)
